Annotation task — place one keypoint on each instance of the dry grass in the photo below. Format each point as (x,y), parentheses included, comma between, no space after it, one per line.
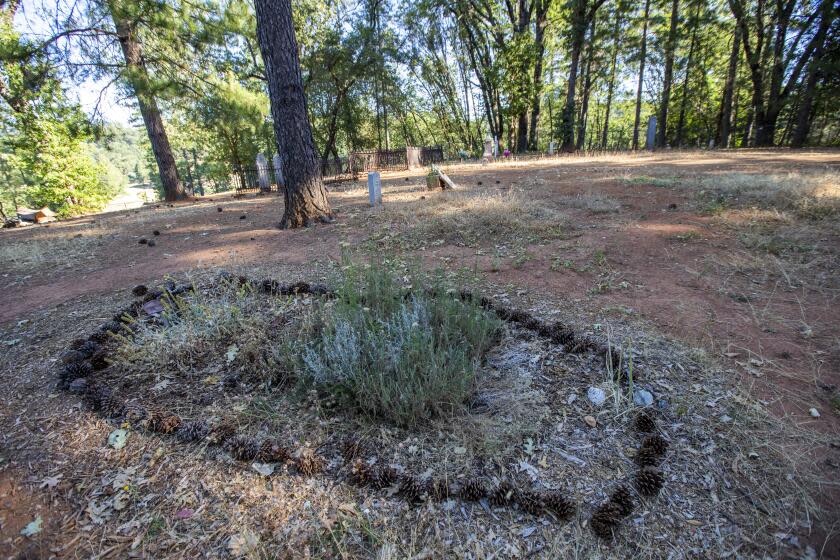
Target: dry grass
(596,203)
(62,248)
(469,217)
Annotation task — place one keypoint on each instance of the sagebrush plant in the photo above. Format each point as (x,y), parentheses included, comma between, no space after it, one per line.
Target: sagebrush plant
(395,345)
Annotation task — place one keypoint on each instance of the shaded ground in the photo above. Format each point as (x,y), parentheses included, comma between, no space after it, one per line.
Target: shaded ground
(620,243)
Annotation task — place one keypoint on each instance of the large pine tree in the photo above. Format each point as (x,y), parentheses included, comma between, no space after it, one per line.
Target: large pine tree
(306,197)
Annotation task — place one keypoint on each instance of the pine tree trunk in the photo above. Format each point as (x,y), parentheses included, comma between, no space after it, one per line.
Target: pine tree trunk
(138,79)
(539,47)
(725,120)
(611,85)
(587,89)
(642,56)
(305,196)
(670,49)
(684,99)
(567,117)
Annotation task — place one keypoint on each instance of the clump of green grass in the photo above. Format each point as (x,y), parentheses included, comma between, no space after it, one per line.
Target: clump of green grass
(394,347)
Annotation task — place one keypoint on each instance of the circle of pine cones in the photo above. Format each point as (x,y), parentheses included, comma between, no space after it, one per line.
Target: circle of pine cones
(87,356)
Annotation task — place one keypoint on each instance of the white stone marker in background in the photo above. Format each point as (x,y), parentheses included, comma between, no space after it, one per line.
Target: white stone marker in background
(651,134)
(375,188)
(262,173)
(278,169)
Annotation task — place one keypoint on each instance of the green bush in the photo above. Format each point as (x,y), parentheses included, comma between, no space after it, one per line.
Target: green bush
(402,349)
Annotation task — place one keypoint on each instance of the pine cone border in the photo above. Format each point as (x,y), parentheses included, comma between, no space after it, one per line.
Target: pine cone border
(99,360)
(112,406)
(163,422)
(74,370)
(649,481)
(621,497)
(222,433)
(88,348)
(352,448)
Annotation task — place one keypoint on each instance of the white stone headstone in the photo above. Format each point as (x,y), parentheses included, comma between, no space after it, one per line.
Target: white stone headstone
(374,188)
(262,173)
(278,169)
(551,148)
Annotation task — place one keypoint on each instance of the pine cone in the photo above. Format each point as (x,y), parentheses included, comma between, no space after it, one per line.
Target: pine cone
(272,452)
(100,336)
(164,422)
(621,497)
(97,394)
(649,481)
(605,518)
(112,406)
(99,360)
(645,422)
(222,433)
(352,448)
(88,349)
(648,457)
(439,490)
(473,490)
(111,327)
(139,290)
(135,413)
(309,463)
(74,370)
(270,286)
(243,448)
(657,444)
(195,430)
(77,343)
(503,494)
(555,501)
(531,502)
(412,489)
(71,356)
(385,477)
(361,473)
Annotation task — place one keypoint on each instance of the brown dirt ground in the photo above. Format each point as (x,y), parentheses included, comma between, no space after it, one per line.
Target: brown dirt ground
(658,260)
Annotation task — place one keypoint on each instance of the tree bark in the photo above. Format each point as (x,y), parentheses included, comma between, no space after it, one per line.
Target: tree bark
(567,117)
(670,49)
(694,24)
(305,195)
(539,47)
(642,55)
(611,85)
(138,79)
(725,118)
(815,71)
(587,88)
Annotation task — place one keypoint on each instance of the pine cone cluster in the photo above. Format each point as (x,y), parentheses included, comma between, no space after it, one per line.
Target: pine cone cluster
(649,481)
(112,406)
(352,448)
(135,413)
(74,370)
(88,348)
(99,360)
(648,457)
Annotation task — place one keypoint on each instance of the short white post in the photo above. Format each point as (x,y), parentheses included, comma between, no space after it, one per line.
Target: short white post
(374,188)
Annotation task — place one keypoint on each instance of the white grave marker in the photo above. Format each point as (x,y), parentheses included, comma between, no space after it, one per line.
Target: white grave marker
(375,188)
